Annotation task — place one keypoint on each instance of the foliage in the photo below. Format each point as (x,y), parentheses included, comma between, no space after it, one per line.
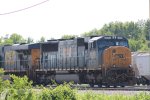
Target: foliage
(16,38)
(146,29)
(137,33)
(21,89)
(68,36)
(42,39)
(1,71)
(3,83)
(13,39)
(61,92)
(21,82)
(30,40)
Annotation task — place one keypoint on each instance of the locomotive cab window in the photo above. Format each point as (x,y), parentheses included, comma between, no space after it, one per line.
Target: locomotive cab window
(92,45)
(117,43)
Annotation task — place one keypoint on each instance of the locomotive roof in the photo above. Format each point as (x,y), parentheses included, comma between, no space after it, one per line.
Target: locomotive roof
(16,47)
(34,46)
(107,38)
(49,42)
(95,38)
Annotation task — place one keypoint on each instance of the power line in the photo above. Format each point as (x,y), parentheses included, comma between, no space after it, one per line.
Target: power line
(24,8)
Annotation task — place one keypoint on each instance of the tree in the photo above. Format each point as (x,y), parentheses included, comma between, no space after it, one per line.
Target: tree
(136,32)
(1,40)
(16,38)
(147,29)
(68,36)
(30,40)
(8,42)
(42,39)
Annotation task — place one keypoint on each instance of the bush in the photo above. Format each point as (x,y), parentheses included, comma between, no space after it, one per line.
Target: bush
(61,92)
(20,89)
(4,84)
(1,71)
(21,82)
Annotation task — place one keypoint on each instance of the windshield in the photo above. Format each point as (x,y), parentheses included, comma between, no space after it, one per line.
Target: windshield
(102,44)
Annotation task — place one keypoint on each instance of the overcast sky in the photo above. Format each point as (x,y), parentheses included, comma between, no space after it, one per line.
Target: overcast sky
(57,17)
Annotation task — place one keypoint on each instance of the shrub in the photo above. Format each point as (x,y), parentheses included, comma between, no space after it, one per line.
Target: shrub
(20,89)
(4,84)
(21,82)
(61,92)
(1,71)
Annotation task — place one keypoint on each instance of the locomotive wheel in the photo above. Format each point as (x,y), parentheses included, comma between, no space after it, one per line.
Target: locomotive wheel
(122,86)
(91,85)
(99,85)
(115,86)
(107,86)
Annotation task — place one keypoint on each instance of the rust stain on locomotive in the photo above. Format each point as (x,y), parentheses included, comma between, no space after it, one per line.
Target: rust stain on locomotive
(117,56)
(35,53)
(10,58)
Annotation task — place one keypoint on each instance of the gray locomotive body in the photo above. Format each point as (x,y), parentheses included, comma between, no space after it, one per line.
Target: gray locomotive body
(81,60)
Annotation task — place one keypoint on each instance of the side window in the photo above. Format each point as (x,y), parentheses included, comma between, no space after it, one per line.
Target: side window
(92,45)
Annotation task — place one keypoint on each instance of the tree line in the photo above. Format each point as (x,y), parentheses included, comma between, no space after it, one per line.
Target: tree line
(138,33)
(17,39)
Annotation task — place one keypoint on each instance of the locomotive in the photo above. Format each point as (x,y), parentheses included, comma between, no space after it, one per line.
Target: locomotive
(95,60)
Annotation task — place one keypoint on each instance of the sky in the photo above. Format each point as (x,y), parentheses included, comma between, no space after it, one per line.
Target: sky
(54,18)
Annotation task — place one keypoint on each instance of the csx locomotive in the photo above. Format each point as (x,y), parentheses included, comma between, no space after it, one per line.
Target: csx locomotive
(95,60)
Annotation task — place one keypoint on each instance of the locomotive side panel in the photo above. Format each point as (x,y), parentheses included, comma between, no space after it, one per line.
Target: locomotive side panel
(50,60)
(81,57)
(10,60)
(92,61)
(49,55)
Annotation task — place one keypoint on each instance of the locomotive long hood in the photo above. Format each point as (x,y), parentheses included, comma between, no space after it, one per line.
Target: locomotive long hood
(116,56)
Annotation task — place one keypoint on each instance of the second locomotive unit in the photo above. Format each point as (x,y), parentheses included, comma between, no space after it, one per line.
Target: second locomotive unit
(96,60)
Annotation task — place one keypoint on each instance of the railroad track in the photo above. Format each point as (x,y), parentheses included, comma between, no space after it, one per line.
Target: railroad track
(127,88)
(96,88)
